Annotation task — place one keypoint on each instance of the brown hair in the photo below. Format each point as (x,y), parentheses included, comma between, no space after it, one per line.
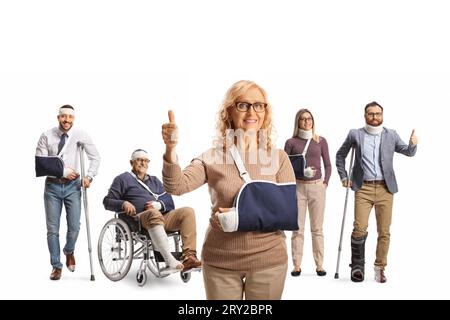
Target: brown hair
(372,104)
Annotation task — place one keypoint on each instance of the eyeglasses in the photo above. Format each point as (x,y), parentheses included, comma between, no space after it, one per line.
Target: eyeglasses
(305,119)
(375,114)
(245,106)
(142,160)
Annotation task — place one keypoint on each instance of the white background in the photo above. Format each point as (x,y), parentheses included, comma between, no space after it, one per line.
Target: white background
(123,64)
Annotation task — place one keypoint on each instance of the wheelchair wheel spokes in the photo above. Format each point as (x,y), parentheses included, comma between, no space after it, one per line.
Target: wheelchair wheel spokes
(155,267)
(115,249)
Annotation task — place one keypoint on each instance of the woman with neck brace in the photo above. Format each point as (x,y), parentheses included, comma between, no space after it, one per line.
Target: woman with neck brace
(311,188)
(236,265)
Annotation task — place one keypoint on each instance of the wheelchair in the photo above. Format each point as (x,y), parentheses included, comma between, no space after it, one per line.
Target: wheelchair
(122,240)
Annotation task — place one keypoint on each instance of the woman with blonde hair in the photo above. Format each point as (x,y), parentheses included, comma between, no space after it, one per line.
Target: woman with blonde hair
(239,264)
(311,188)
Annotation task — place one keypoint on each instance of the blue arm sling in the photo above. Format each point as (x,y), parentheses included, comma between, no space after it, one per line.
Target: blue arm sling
(49,166)
(52,166)
(264,205)
(298,162)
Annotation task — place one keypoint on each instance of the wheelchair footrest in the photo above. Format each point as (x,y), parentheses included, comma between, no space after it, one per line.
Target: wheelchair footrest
(193,270)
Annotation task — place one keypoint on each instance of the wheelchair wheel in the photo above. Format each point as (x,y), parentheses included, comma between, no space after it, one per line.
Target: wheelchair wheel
(141,277)
(185,276)
(115,249)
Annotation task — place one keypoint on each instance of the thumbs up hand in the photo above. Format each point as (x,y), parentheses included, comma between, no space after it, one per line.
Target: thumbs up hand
(171,116)
(170,132)
(413,139)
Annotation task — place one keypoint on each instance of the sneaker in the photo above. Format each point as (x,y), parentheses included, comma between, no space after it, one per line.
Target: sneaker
(56,274)
(191,263)
(70,262)
(379,275)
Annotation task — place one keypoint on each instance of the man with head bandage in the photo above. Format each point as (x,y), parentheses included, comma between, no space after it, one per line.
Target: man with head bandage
(136,192)
(62,187)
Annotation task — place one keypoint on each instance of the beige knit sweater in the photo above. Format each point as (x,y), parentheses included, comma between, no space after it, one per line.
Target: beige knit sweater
(237,251)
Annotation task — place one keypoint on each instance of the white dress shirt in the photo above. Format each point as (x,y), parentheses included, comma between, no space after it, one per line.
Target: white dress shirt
(48,146)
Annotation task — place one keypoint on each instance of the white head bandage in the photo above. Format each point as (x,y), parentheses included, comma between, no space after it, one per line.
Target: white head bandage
(66,110)
(139,154)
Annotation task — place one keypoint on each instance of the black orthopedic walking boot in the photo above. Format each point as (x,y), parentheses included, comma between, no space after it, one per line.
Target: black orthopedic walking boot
(357,265)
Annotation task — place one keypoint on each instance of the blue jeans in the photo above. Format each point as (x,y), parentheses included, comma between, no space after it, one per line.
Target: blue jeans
(55,195)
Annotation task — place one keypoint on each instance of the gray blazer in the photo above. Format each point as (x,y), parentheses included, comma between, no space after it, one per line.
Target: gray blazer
(390,143)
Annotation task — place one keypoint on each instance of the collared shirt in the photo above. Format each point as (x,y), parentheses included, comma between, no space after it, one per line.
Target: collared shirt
(48,146)
(371,162)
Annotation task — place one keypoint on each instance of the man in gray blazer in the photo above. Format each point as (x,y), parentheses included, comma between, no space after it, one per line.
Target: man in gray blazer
(374,183)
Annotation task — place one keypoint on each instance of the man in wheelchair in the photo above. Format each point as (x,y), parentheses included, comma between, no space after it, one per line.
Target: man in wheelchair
(138,194)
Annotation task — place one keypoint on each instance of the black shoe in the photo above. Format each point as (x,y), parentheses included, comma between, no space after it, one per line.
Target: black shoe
(296,273)
(321,273)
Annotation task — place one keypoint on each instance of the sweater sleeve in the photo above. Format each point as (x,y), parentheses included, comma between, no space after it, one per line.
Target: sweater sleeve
(326,159)
(285,172)
(112,200)
(288,147)
(178,182)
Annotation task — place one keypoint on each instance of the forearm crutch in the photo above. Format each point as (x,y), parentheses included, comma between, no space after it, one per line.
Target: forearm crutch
(350,169)
(86,208)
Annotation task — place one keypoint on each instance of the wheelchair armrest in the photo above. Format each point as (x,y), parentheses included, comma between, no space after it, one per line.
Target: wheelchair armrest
(135,217)
(116,214)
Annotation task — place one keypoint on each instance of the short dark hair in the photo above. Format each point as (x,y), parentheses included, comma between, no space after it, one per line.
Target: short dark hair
(67,106)
(372,104)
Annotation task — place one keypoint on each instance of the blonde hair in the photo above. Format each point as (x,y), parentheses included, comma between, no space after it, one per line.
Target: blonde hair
(315,137)
(224,122)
